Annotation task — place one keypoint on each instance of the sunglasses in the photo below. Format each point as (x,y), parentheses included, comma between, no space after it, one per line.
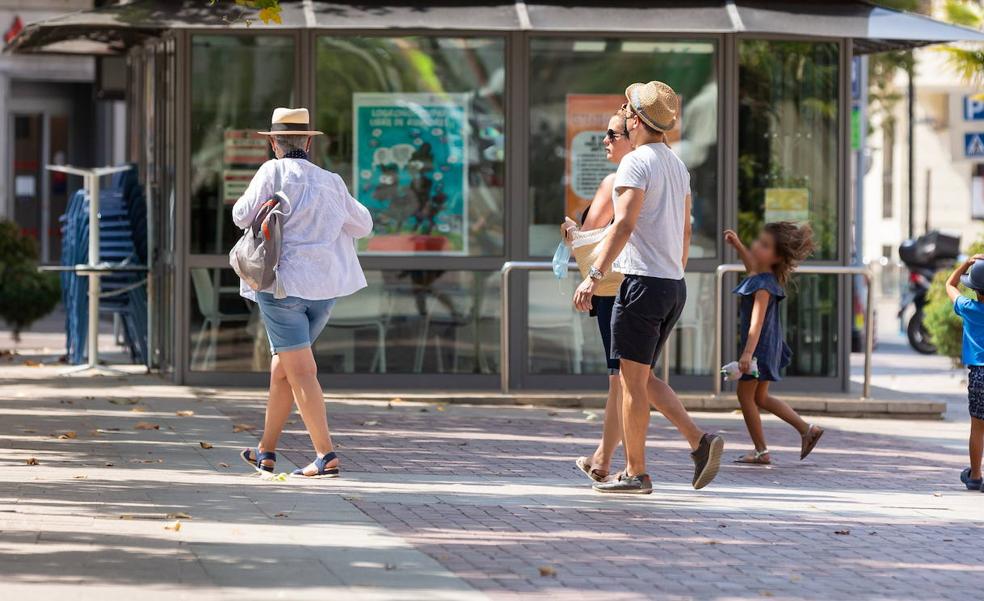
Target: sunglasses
(613,135)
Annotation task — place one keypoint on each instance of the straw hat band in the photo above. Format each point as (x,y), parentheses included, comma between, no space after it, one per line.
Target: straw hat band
(291,122)
(640,110)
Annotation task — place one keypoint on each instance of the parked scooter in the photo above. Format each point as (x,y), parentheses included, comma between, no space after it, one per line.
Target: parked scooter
(924,257)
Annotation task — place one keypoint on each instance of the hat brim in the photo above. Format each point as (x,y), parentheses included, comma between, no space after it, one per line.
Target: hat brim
(968,283)
(291,133)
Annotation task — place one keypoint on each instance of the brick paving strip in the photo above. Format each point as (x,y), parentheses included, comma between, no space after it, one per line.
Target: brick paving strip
(454,502)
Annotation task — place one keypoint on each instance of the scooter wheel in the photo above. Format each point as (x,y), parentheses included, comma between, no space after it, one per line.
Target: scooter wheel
(918,337)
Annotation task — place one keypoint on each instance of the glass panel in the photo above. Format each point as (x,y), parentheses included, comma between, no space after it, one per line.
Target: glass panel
(27,173)
(564,341)
(787,170)
(416,129)
(575,86)
(58,183)
(404,322)
(236,82)
(787,137)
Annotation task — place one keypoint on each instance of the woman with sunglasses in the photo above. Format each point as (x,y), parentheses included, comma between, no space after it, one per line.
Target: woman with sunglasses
(584,239)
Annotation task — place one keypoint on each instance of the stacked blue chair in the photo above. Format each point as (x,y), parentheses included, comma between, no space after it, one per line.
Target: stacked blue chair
(122,239)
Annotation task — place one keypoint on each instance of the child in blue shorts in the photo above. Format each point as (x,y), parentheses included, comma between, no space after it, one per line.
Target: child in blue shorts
(972,313)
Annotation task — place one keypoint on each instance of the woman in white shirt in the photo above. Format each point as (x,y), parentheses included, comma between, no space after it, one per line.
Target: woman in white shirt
(318,264)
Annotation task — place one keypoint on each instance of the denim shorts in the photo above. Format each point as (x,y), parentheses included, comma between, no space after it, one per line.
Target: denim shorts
(293,323)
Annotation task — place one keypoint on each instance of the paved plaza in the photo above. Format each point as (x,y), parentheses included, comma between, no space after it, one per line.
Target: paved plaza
(138,493)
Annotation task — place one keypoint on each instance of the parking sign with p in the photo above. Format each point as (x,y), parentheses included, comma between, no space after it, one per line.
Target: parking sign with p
(974,107)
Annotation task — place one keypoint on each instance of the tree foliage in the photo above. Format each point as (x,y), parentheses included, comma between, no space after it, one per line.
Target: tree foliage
(967,61)
(26,295)
(267,11)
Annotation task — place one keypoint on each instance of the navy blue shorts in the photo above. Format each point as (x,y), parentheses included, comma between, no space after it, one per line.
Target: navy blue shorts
(601,307)
(975,391)
(645,311)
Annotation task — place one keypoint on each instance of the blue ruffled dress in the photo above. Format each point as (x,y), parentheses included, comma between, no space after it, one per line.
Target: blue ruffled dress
(772,352)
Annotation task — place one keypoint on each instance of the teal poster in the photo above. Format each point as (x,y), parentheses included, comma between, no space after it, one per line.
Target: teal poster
(409,171)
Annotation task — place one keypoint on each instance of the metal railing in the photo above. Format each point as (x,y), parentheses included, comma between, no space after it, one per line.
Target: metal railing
(507,268)
(869,322)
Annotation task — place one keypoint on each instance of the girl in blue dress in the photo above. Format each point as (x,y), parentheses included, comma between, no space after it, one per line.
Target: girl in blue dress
(780,247)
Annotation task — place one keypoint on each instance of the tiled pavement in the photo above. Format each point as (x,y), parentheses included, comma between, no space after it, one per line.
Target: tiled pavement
(457,502)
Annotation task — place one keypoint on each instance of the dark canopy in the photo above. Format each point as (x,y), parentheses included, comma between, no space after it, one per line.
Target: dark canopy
(113,29)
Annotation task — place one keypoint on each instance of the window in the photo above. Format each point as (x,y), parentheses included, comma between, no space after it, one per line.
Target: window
(236,82)
(405,321)
(417,130)
(787,170)
(576,86)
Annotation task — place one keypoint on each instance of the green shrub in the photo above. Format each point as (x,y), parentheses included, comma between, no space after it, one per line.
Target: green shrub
(944,327)
(26,295)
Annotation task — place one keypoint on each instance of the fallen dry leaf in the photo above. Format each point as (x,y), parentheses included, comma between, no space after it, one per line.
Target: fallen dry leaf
(397,400)
(31,363)
(441,407)
(842,532)
(205,445)
(547,571)
(184,413)
(33,461)
(138,409)
(146,426)
(280,515)
(243,428)
(67,435)
(108,464)
(80,477)
(176,526)
(372,422)
(123,401)
(178,515)
(223,465)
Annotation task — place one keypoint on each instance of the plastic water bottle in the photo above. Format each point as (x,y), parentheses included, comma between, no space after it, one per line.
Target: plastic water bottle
(561,259)
(732,371)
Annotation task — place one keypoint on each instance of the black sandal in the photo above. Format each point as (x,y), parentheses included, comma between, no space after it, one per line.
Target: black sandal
(256,461)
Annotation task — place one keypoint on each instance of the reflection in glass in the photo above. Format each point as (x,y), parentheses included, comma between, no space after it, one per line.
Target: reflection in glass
(787,170)
(564,341)
(787,138)
(236,82)
(570,83)
(424,118)
(410,322)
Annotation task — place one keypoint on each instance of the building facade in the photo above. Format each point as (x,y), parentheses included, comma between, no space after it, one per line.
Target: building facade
(470,131)
(52,114)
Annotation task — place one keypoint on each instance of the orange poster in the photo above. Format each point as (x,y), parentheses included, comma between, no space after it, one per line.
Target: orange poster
(587,122)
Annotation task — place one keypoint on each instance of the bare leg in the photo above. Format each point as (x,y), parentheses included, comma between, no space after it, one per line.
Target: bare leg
(635,415)
(779,409)
(302,374)
(611,435)
(976,446)
(668,403)
(279,405)
(749,410)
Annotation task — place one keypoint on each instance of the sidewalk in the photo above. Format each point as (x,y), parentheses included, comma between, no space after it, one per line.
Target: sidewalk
(457,502)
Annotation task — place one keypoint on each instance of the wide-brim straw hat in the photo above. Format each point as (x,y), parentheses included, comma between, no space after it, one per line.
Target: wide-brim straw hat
(291,122)
(656,104)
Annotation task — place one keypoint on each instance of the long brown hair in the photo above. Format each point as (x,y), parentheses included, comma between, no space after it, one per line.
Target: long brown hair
(794,243)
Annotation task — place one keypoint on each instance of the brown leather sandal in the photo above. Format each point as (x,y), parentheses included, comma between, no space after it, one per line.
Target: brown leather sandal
(810,440)
(584,465)
(756,458)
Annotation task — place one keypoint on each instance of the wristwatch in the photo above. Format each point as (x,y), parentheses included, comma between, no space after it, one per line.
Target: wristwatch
(594,273)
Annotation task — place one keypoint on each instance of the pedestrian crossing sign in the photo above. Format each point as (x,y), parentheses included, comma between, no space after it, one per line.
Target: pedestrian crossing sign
(974,145)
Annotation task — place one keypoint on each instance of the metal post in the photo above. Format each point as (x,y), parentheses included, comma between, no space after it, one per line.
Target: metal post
(504,342)
(869,322)
(92,338)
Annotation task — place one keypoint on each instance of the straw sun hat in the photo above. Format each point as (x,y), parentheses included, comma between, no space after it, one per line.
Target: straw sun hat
(290,122)
(655,102)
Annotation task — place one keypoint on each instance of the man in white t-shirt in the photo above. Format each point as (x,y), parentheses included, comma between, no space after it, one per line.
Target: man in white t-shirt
(649,242)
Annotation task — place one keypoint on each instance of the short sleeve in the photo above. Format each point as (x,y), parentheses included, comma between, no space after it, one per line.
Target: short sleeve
(633,172)
(761,281)
(962,305)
